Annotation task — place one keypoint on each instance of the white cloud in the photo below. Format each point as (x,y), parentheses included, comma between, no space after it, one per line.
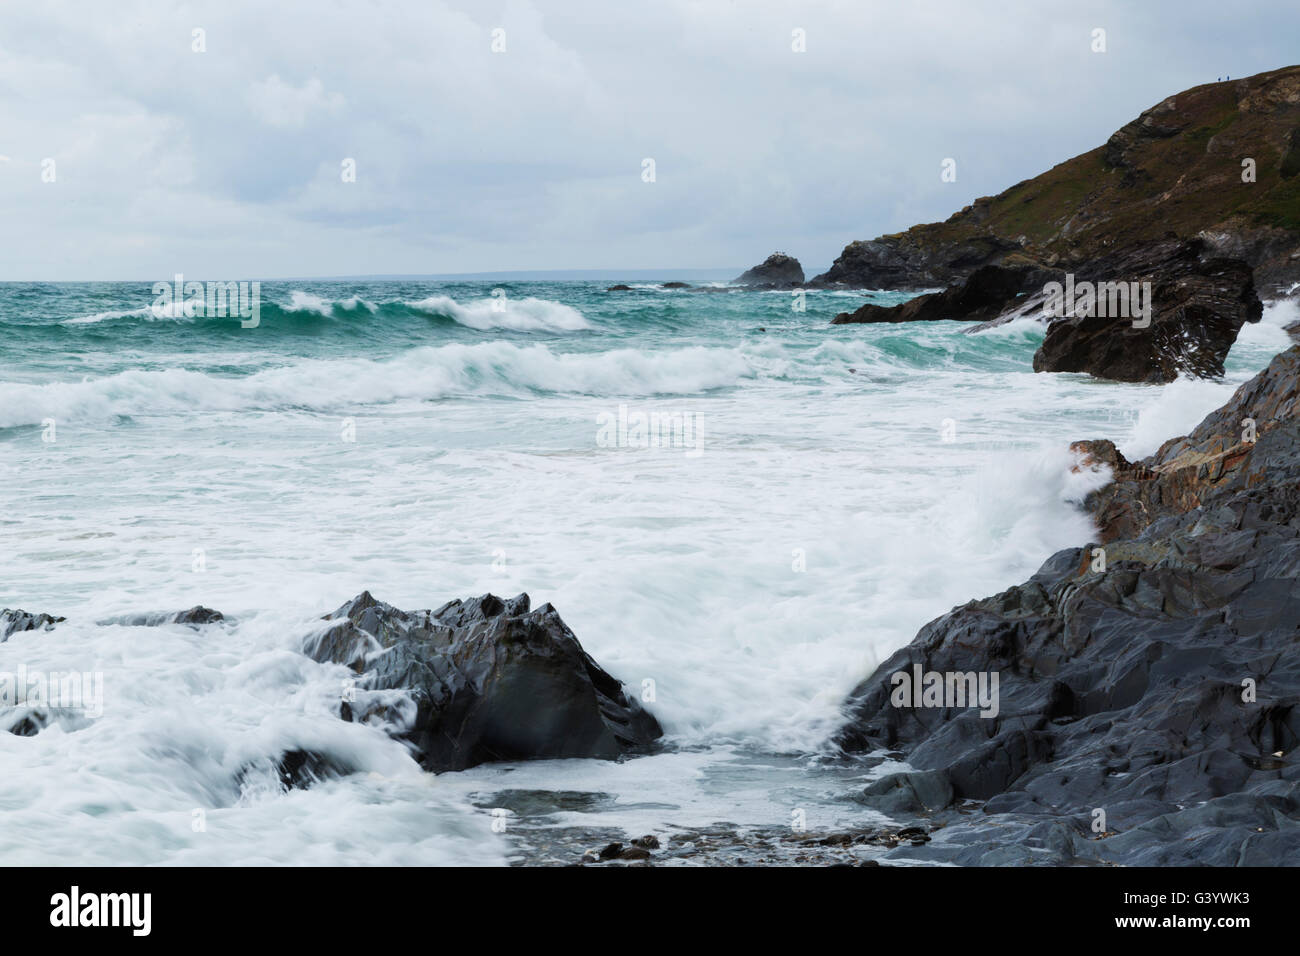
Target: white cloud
(277,103)
(226,162)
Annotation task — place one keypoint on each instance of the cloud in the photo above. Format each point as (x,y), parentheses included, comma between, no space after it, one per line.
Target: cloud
(227,162)
(277,103)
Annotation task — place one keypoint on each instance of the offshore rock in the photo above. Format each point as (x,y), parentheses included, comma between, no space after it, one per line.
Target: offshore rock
(777,271)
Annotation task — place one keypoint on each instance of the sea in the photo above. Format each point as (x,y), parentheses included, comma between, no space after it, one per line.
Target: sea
(739,509)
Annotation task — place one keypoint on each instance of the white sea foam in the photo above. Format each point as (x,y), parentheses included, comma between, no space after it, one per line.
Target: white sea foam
(178,310)
(489,368)
(826,521)
(525,315)
(300,301)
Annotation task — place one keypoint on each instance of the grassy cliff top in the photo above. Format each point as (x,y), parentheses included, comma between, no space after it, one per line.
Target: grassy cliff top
(1176,168)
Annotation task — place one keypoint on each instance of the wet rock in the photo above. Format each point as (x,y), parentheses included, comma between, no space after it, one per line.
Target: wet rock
(619,288)
(1197,307)
(194,616)
(915,792)
(981,297)
(1213,461)
(677,285)
(490,680)
(13,621)
(777,271)
(292,770)
(31,723)
(915,259)
(635,853)
(1151,685)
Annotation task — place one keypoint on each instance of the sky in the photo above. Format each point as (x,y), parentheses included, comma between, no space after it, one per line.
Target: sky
(513,134)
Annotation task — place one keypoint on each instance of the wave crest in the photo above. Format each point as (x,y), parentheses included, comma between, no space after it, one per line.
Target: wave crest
(522,315)
(423,374)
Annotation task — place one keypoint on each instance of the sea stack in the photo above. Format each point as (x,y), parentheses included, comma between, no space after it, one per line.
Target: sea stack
(777,271)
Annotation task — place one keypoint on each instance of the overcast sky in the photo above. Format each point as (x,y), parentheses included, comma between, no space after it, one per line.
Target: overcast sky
(227,163)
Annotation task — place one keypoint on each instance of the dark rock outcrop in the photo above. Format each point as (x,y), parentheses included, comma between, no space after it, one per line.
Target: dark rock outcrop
(1198,303)
(982,297)
(491,680)
(1218,457)
(14,620)
(913,260)
(1153,676)
(777,271)
(1197,307)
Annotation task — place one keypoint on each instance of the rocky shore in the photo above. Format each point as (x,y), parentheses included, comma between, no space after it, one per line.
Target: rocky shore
(1149,681)
(1147,694)
(474,681)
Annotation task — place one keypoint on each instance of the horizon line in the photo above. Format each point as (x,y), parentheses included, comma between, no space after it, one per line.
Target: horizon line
(499,274)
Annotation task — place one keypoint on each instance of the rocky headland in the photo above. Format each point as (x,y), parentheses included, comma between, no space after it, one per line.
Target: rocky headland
(1176,227)
(1179,168)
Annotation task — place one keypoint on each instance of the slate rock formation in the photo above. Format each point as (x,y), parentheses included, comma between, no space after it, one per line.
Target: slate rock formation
(1198,304)
(491,680)
(1159,684)
(981,297)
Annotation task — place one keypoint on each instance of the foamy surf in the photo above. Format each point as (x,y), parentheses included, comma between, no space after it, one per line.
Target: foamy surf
(501,312)
(853,485)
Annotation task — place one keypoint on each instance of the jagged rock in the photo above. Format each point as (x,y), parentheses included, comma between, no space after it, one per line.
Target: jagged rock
(913,260)
(1197,307)
(14,620)
(491,680)
(1214,459)
(1161,686)
(980,298)
(777,271)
